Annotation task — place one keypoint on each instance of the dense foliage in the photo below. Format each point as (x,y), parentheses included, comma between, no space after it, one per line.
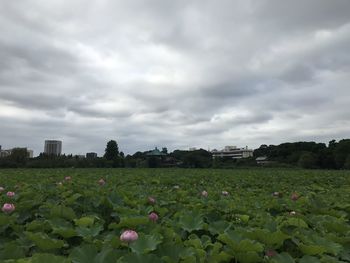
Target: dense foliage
(178,215)
(309,154)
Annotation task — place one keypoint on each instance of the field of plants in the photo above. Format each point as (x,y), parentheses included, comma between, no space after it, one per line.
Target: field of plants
(178,215)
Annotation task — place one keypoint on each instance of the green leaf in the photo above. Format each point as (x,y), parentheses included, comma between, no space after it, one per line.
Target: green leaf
(219,227)
(136,258)
(248,257)
(282,258)
(312,249)
(297,222)
(41,258)
(44,242)
(146,243)
(309,259)
(62,212)
(84,254)
(87,232)
(133,222)
(85,221)
(12,250)
(191,221)
(88,254)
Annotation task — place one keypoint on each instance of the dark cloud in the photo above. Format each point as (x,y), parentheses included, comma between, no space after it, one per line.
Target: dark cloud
(182,73)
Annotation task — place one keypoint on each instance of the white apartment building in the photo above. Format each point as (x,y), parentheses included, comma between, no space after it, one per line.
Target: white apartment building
(233,152)
(53,147)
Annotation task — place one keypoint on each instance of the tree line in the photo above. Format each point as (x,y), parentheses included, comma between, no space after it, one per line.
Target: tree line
(309,155)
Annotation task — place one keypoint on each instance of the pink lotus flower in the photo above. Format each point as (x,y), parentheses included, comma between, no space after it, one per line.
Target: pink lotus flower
(294,196)
(68,178)
(10,194)
(8,208)
(151,200)
(270,253)
(153,217)
(204,193)
(129,236)
(101,182)
(224,193)
(2,189)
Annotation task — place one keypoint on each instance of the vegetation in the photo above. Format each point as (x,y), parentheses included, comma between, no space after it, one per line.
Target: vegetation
(309,155)
(178,215)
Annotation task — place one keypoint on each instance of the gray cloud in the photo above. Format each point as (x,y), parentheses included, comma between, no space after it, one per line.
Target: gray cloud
(173,73)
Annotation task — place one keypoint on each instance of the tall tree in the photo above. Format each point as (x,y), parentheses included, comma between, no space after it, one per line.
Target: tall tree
(112,150)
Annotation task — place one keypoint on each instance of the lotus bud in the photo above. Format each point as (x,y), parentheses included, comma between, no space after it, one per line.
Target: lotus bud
(292,213)
(101,182)
(2,189)
(153,217)
(129,236)
(294,196)
(204,193)
(224,193)
(68,178)
(10,194)
(176,187)
(8,208)
(151,200)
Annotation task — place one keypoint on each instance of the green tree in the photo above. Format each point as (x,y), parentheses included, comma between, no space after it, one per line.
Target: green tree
(112,150)
(347,162)
(19,155)
(307,160)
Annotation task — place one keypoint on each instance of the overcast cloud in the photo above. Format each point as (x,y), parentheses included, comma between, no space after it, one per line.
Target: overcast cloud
(184,73)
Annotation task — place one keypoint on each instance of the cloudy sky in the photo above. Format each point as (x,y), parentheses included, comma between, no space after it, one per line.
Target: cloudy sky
(184,73)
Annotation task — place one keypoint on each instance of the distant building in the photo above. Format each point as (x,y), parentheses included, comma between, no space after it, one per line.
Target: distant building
(30,153)
(91,155)
(232,152)
(53,147)
(261,160)
(155,153)
(6,153)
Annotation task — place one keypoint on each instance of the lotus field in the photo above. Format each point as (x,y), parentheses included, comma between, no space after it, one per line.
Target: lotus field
(174,215)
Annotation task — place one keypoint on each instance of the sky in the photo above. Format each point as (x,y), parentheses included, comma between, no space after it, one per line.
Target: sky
(176,74)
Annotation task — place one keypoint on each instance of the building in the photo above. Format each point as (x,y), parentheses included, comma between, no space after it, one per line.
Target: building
(53,147)
(232,152)
(91,155)
(155,153)
(30,153)
(6,153)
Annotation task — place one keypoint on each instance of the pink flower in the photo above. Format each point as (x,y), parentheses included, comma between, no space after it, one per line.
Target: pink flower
(129,236)
(2,189)
(270,253)
(224,193)
(8,208)
(204,193)
(68,178)
(153,217)
(294,196)
(101,182)
(10,194)
(151,200)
